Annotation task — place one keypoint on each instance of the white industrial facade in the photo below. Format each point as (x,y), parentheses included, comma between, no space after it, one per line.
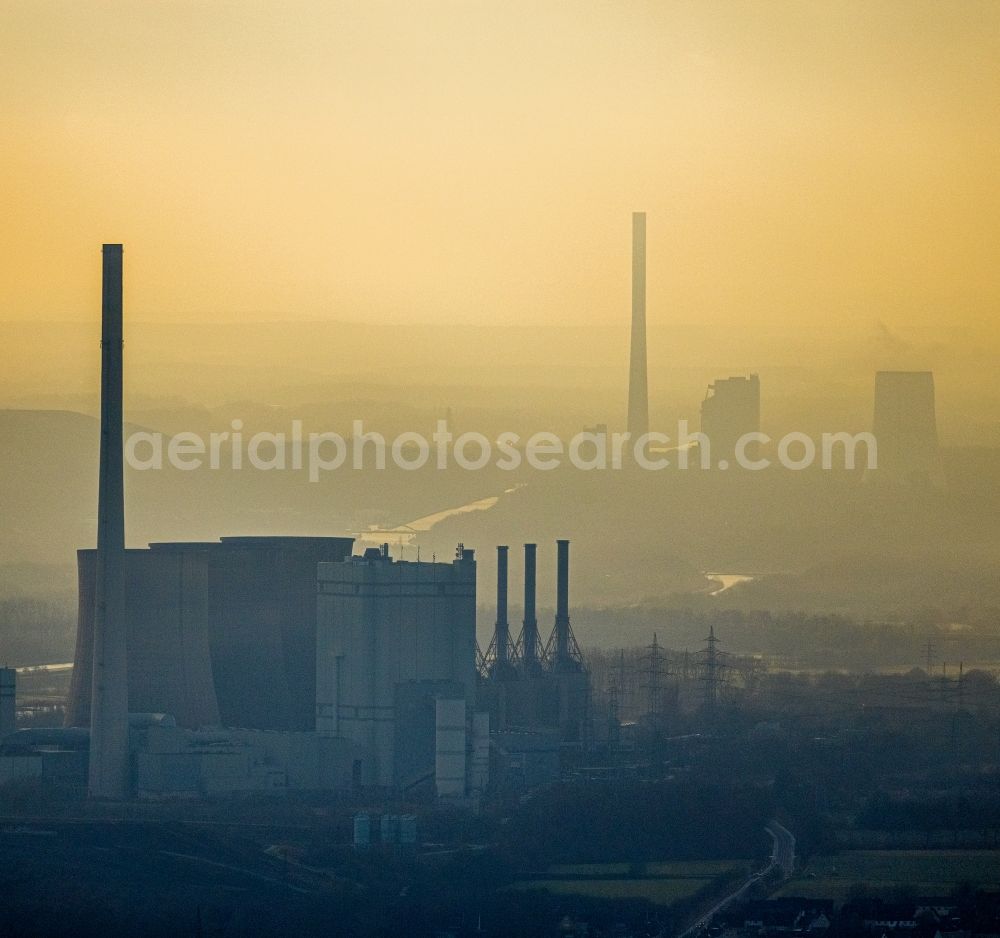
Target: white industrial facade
(384,628)
(450,747)
(172,761)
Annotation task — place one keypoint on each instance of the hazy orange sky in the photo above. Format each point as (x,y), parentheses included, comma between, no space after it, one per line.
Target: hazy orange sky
(806,165)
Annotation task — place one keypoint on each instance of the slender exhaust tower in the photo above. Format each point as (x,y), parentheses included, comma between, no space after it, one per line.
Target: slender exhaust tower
(562,602)
(562,653)
(502,634)
(529,633)
(108,773)
(638,390)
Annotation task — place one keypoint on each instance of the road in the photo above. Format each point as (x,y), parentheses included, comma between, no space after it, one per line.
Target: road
(782,858)
(783,855)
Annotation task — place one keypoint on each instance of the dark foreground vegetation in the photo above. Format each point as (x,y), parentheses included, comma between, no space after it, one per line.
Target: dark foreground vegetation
(889,782)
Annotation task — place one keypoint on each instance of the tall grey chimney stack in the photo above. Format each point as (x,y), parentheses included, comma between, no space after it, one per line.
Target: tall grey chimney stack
(562,601)
(502,627)
(108,776)
(638,391)
(529,632)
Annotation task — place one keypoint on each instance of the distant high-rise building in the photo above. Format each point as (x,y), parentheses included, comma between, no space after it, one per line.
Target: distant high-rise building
(905,429)
(730,410)
(638,389)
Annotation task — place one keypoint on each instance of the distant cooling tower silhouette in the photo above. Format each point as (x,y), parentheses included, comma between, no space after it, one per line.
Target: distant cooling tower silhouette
(905,426)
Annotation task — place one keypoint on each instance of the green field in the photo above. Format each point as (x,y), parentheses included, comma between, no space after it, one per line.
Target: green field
(928,872)
(590,869)
(662,882)
(697,868)
(668,869)
(660,891)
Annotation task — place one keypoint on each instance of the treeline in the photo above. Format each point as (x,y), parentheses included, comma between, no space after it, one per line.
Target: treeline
(797,639)
(954,813)
(636,822)
(34,630)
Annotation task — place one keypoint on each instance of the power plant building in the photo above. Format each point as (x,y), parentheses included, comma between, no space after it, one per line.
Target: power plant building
(262,627)
(286,663)
(538,696)
(730,410)
(396,657)
(171,761)
(220,632)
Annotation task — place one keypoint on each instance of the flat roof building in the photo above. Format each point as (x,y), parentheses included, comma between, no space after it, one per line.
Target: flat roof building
(730,410)
(391,634)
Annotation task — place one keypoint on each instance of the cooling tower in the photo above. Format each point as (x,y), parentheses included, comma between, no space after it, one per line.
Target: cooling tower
(217,632)
(78,702)
(905,428)
(262,627)
(166,615)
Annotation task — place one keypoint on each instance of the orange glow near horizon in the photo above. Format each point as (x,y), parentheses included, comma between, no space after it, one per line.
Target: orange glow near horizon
(812,172)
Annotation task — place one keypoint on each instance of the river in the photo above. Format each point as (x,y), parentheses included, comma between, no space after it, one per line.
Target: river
(727,581)
(404,534)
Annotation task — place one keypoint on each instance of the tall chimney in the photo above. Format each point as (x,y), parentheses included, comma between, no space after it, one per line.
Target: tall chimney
(503,627)
(562,601)
(638,393)
(108,776)
(530,630)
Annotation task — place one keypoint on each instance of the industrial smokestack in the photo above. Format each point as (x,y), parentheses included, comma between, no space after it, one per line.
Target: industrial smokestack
(8,701)
(638,393)
(108,776)
(529,633)
(503,627)
(562,601)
